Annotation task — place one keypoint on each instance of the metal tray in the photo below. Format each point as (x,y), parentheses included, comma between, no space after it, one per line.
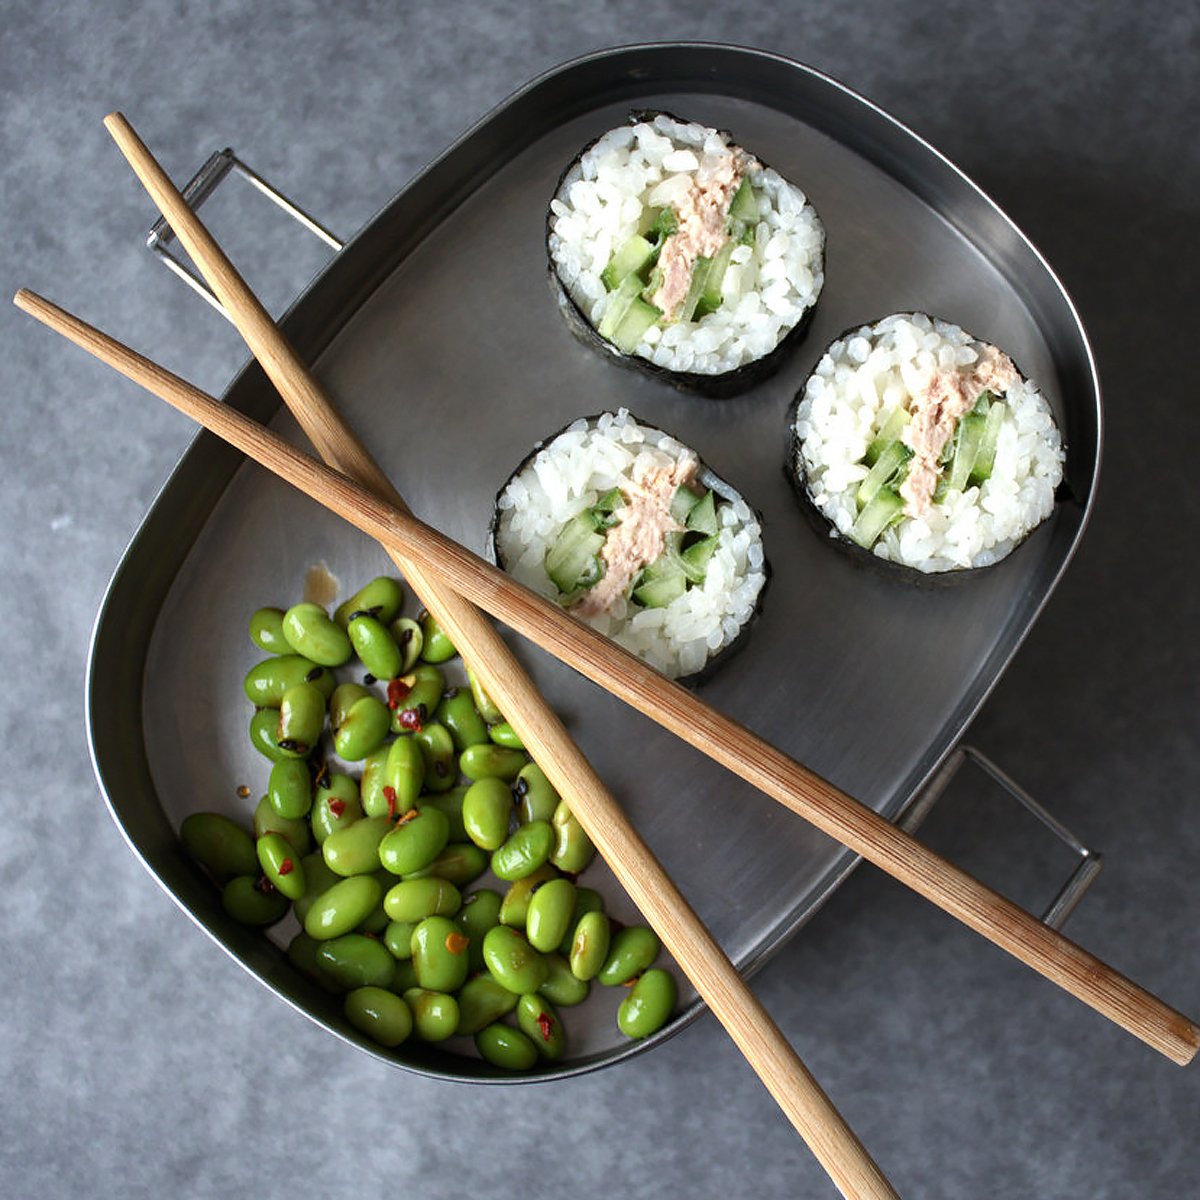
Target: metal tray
(436,332)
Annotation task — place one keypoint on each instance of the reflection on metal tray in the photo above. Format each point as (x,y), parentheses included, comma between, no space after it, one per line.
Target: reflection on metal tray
(437,333)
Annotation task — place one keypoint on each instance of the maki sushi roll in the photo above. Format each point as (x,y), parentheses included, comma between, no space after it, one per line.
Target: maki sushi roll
(628,530)
(680,253)
(925,446)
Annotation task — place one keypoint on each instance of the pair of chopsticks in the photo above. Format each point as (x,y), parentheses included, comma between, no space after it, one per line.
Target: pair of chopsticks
(446,577)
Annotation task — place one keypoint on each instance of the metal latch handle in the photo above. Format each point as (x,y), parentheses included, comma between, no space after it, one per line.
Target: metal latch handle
(197,190)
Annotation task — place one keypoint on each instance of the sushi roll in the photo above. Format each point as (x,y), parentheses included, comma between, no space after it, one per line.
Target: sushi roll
(680,253)
(628,530)
(925,446)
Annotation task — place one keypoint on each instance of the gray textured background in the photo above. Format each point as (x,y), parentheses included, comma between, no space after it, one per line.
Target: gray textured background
(137,1061)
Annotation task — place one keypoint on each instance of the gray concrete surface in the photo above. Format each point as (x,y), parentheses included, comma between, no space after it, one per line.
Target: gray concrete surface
(136,1061)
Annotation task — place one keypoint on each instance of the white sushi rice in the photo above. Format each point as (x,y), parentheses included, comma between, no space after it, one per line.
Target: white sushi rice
(861,378)
(570,474)
(768,286)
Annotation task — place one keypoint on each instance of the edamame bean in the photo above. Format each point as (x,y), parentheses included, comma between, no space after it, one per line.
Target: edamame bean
(301,718)
(439,954)
(417,839)
(404,771)
(345,695)
(246,901)
(414,697)
(318,879)
(381,1015)
(536,797)
(506,1047)
(264,736)
(586,900)
(540,1024)
(375,646)
(457,712)
(397,937)
(267,820)
(451,803)
(219,845)
(437,648)
(435,1014)
(343,907)
(302,954)
(573,849)
(336,806)
(459,862)
(503,734)
(281,865)
(484,704)
(370,788)
(289,788)
(561,987)
(266,681)
(489,761)
(648,1006)
(629,954)
(482,1001)
(550,909)
(377,920)
(590,945)
(266,631)
(310,632)
(480,912)
(526,850)
(437,749)
(415,899)
(382,598)
(354,960)
(364,729)
(486,810)
(355,849)
(409,639)
(512,961)
(514,909)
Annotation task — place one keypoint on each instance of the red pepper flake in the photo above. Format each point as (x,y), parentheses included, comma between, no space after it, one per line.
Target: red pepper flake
(265,886)
(410,718)
(389,794)
(545,1023)
(411,815)
(397,691)
(337,806)
(456,943)
(286,867)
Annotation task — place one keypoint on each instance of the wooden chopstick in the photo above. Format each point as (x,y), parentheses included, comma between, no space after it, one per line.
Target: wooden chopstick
(695,950)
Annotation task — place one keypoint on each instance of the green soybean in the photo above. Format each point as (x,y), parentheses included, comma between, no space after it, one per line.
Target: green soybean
(415,899)
(318,879)
(457,712)
(302,954)
(409,639)
(343,907)
(586,900)
(419,691)
(438,648)
(266,681)
(382,598)
(415,842)
(264,736)
(335,806)
(397,937)
(435,1014)
(301,718)
(503,734)
(404,771)
(536,797)
(629,954)
(648,1006)
(480,912)
(345,695)
(541,1025)
(364,729)
(245,901)
(437,749)
(480,1002)
(514,909)
(267,820)
(375,646)
(354,960)
(486,810)
(561,987)
(527,849)
(484,704)
(219,845)
(489,761)
(505,1047)
(266,631)
(439,954)
(377,920)
(370,788)
(381,1015)
(450,803)
(289,788)
(590,945)
(573,849)
(355,849)
(281,865)
(459,862)
(550,910)
(310,632)
(512,961)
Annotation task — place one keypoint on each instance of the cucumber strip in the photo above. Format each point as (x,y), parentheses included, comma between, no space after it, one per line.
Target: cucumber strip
(687,307)
(885,507)
(629,259)
(696,557)
(744,205)
(682,503)
(660,583)
(892,427)
(610,501)
(573,557)
(703,515)
(639,316)
(966,450)
(618,305)
(986,458)
(710,298)
(888,465)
